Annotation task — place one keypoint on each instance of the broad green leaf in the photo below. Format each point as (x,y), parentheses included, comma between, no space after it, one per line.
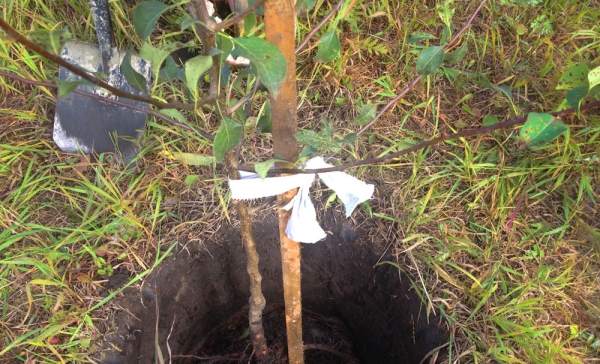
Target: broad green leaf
(134,79)
(367,114)
(194,68)
(490,120)
(66,87)
(158,55)
(446,9)
(145,16)
(416,37)
(323,139)
(249,22)
(575,96)
(192,179)
(307,152)
(504,90)
(265,59)
(192,159)
(457,55)
(541,129)
(262,168)
(225,45)
(186,23)
(264,121)
(446,35)
(594,77)
(259,11)
(52,41)
(173,114)
(350,138)
(430,60)
(575,76)
(170,71)
(329,47)
(304,6)
(227,137)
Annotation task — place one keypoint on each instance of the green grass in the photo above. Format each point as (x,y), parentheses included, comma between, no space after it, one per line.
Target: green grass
(503,242)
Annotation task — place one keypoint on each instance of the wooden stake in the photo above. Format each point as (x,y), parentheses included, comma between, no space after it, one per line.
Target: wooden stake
(280,27)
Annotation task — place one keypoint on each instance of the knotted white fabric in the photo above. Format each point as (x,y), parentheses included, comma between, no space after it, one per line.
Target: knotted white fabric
(303,226)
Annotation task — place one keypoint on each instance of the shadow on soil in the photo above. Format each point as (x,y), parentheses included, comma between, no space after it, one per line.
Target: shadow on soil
(354,313)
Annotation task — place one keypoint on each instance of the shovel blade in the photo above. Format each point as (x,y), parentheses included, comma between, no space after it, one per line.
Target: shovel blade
(91,125)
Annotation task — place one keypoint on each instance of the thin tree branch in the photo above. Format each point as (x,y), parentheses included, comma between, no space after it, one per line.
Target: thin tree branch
(319,26)
(199,11)
(418,78)
(237,17)
(96,81)
(425,144)
(111,101)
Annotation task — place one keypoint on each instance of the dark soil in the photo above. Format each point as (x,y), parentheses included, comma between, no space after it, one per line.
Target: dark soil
(353,312)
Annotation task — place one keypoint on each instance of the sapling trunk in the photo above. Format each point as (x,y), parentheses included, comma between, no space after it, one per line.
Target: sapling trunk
(280,27)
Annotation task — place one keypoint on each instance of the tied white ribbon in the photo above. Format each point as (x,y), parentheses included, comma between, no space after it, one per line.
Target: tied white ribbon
(302,225)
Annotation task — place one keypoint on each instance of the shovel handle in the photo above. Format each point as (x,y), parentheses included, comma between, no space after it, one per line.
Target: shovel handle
(101,14)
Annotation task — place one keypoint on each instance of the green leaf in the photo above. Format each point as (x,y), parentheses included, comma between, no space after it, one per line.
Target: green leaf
(227,137)
(456,56)
(66,87)
(575,76)
(186,23)
(594,77)
(504,90)
(262,168)
(194,159)
(249,22)
(134,79)
(367,114)
(265,59)
(416,37)
(490,120)
(329,47)
(158,55)
(350,138)
(173,114)
(446,9)
(192,179)
(446,35)
(304,6)
(52,41)
(194,68)
(145,16)
(430,60)
(575,96)
(264,121)
(541,129)
(259,11)
(225,45)
(323,139)
(170,70)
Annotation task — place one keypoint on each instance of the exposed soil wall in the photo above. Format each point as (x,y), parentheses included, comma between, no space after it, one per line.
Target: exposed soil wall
(354,312)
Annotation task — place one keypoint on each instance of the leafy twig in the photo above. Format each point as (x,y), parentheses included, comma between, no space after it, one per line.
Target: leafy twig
(95,80)
(418,78)
(114,102)
(319,26)
(305,41)
(237,17)
(425,144)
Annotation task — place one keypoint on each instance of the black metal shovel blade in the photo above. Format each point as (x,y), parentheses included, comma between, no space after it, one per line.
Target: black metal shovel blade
(90,125)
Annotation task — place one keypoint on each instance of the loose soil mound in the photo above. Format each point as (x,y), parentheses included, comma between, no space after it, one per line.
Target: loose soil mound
(354,313)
